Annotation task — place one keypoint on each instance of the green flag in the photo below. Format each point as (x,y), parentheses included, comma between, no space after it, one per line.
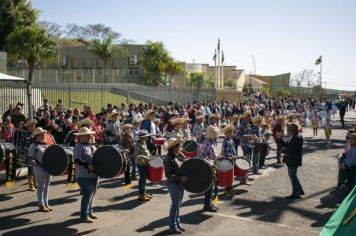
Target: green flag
(318,61)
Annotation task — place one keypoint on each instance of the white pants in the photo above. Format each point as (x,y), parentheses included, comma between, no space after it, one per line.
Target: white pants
(43,180)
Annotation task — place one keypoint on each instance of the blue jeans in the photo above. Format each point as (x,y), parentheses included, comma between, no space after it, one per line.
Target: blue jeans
(88,188)
(254,160)
(133,165)
(43,181)
(297,187)
(176,191)
(142,170)
(208,196)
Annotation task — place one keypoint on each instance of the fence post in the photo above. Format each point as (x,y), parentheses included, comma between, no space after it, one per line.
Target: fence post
(93,76)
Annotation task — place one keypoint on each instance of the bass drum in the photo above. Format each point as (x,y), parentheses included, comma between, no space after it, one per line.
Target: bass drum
(56,158)
(201,175)
(109,161)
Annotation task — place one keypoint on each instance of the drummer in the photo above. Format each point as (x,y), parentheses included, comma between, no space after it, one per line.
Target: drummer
(86,178)
(198,129)
(257,136)
(265,136)
(244,133)
(148,125)
(228,150)
(112,129)
(177,133)
(128,143)
(278,133)
(172,162)
(142,156)
(208,152)
(35,153)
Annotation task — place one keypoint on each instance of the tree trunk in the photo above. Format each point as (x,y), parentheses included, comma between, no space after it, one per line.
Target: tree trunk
(31,67)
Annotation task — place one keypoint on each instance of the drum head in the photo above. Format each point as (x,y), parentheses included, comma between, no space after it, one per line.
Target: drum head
(200,173)
(242,163)
(190,146)
(55,160)
(224,164)
(157,162)
(107,161)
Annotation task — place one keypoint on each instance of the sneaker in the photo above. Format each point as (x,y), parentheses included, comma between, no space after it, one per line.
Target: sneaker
(48,207)
(43,208)
(143,198)
(93,216)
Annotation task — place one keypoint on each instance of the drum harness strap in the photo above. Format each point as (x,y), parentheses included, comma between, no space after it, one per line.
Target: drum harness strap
(81,162)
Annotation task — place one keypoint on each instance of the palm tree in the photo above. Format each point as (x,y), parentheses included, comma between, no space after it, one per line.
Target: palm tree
(33,44)
(105,49)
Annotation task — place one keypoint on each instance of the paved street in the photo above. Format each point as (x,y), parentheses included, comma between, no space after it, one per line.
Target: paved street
(259,209)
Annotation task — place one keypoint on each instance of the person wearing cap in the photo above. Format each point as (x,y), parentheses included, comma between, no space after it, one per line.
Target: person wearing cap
(228,150)
(350,162)
(35,153)
(208,152)
(148,125)
(171,163)
(26,141)
(278,134)
(177,133)
(198,129)
(86,178)
(127,142)
(293,160)
(141,156)
(112,129)
(257,136)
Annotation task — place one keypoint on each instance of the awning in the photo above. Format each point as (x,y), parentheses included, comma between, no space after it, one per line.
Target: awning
(5,77)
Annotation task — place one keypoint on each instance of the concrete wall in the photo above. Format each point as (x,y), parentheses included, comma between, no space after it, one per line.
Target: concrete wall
(231,95)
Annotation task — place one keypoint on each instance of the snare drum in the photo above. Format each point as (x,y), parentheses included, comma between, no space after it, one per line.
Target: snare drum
(159,141)
(5,148)
(109,161)
(200,174)
(241,168)
(190,149)
(155,169)
(224,168)
(56,158)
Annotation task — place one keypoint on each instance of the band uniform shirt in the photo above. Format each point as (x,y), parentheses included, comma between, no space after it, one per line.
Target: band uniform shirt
(198,130)
(350,159)
(244,129)
(208,150)
(176,134)
(84,152)
(141,153)
(36,151)
(172,163)
(186,133)
(228,148)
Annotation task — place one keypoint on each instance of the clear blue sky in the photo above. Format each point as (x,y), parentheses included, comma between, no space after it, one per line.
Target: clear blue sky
(282,35)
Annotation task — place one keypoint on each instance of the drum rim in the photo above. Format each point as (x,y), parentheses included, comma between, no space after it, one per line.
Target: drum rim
(118,151)
(212,171)
(157,157)
(43,159)
(245,160)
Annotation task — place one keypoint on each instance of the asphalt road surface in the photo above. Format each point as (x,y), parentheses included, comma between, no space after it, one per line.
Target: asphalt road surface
(259,209)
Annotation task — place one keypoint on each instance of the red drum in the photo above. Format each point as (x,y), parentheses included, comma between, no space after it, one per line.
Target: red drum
(190,149)
(155,169)
(241,168)
(48,139)
(224,168)
(159,141)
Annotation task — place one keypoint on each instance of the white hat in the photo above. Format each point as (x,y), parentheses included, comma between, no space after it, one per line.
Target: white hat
(84,131)
(212,132)
(38,131)
(173,142)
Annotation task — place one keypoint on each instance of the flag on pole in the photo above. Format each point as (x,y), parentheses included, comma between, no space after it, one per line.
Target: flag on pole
(318,61)
(222,57)
(214,57)
(218,43)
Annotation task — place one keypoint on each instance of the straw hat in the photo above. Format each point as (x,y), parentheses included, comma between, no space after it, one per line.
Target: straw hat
(212,132)
(143,133)
(30,123)
(86,121)
(173,142)
(84,131)
(112,114)
(256,119)
(245,114)
(126,126)
(214,116)
(149,112)
(177,121)
(38,131)
(228,129)
(236,117)
(201,117)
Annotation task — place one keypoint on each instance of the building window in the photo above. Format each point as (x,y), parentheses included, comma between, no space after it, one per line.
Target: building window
(134,72)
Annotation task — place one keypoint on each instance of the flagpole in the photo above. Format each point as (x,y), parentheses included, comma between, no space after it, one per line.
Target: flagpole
(216,71)
(222,72)
(321,70)
(219,67)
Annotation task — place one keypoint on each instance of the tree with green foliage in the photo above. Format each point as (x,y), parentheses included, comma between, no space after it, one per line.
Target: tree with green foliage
(15,13)
(170,68)
(34,45)
(197,80)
